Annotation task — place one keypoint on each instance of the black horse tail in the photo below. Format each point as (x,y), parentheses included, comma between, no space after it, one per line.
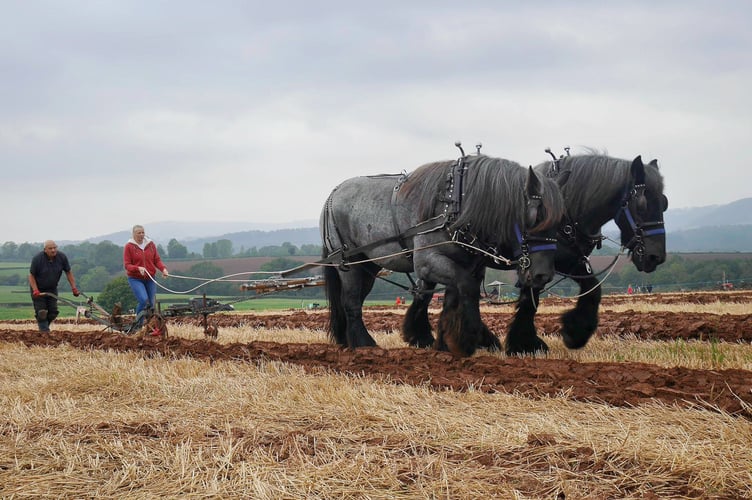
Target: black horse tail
(337,319)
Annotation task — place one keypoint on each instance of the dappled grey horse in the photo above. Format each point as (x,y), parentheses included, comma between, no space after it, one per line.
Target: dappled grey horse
(446,222)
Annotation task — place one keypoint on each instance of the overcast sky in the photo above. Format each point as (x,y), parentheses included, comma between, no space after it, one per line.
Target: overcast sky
(114,113)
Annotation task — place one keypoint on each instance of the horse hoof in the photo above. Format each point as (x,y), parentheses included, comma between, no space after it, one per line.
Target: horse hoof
(533,347)
(491,343)
(577,330)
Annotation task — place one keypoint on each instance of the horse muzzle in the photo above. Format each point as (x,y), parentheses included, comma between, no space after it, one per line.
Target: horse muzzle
(646,260)
(534,277)
(647,263)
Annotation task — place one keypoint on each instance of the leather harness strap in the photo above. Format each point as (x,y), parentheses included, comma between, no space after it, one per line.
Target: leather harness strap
(393,207)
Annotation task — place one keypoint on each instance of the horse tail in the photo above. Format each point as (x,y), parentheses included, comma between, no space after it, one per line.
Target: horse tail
(337,320)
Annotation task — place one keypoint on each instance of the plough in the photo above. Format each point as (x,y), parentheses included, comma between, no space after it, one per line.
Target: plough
(115,320)
(155,322)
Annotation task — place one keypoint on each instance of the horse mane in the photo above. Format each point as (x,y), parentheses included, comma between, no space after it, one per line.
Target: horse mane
(494,196)
(598,180)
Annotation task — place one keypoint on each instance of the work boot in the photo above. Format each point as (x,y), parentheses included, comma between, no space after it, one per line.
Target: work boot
(44,326)
(42,315)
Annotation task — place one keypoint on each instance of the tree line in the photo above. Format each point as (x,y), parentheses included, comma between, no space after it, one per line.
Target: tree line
(96,265)
(220,249)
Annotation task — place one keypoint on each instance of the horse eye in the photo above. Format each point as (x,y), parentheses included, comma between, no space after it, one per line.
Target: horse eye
(532,216)
(642,205)
(541,216)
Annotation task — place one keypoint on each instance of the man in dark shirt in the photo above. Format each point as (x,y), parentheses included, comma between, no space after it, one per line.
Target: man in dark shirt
(44,274)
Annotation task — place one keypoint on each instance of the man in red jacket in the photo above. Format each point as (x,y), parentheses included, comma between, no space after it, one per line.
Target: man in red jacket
(141,261)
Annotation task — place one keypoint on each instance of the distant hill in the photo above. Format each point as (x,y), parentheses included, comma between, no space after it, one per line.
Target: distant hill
(711,239)
(258,239)
(738,212)
(195,235)
(714,228)
(184,232)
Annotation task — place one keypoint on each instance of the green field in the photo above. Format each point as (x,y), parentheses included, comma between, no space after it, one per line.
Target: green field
(16,265)
(15,302)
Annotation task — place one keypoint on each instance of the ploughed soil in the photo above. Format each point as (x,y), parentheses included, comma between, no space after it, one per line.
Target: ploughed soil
(619,383)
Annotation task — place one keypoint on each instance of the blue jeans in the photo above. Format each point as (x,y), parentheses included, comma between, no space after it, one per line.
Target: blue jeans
(145,292)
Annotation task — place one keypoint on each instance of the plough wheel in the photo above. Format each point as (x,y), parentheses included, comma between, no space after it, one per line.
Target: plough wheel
(156,326)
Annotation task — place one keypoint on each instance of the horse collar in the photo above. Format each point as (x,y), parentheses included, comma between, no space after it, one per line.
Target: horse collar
(455,189)
(553,168)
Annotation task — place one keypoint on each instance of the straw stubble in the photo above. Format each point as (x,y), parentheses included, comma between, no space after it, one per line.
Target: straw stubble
(99,424)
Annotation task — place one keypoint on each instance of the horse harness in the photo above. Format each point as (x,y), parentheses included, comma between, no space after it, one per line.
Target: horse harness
(640,230)
(452,200)
(571,236)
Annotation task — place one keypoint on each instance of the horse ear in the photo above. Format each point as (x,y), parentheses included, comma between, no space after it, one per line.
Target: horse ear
(534,186)
(654,162)
(638,170)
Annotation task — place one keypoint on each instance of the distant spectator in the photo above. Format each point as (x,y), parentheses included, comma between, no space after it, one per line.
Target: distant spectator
(630,290)
(44,274)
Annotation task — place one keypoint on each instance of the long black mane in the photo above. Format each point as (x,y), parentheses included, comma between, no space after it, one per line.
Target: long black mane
(494,196)
(596,180)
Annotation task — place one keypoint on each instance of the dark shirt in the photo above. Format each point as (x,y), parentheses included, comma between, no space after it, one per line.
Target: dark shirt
(47,272)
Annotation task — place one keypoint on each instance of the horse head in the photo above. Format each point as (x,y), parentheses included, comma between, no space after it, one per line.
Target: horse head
(544,208)
(640,217)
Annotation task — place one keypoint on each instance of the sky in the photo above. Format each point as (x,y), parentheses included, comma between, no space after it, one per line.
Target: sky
(115,113)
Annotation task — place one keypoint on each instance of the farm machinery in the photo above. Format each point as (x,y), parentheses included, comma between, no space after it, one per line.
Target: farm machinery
(153,323)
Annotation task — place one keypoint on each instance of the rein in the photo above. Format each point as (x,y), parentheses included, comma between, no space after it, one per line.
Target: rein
(608,268)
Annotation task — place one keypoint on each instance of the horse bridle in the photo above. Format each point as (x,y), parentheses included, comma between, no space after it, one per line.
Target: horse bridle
(543,244)
(524,240)
(640,229)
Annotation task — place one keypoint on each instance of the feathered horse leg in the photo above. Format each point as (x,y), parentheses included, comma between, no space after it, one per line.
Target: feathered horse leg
(579,324)
(487,339)
(522,337)
(345,293)
(460,326)
(416,328)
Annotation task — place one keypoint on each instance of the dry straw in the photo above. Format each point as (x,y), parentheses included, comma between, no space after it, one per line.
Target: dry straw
(100,424)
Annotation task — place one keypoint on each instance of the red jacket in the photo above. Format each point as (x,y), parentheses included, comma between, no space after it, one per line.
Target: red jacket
(134,257)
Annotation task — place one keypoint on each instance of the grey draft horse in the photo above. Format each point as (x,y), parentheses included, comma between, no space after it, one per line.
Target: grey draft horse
(446,221)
